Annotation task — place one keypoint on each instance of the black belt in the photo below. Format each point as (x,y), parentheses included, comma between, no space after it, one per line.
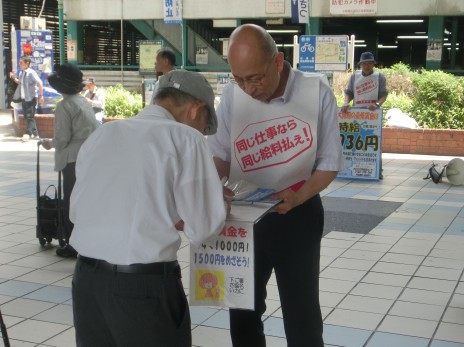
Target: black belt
(161,268)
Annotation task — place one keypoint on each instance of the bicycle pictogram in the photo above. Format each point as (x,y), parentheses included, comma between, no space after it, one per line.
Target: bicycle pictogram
(307,46)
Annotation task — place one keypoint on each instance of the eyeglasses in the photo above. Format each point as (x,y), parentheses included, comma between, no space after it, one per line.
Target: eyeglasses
(256,80)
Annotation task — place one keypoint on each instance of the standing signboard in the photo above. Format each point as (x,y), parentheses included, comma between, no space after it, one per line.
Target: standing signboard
(361,137)
(222,270)
(323,53)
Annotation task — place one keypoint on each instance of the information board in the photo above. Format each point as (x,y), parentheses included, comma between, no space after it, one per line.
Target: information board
(323,53)
(147,56)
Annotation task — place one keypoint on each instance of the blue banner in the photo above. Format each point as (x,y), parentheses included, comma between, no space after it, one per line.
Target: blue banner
(300,11)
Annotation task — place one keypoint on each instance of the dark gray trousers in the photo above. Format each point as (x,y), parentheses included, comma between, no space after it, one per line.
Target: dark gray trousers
(127,310)
(290,245)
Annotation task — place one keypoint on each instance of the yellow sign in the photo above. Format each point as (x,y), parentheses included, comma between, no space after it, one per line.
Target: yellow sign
(209,285)
(147,56)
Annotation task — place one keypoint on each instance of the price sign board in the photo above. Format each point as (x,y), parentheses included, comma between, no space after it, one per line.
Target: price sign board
(361,137)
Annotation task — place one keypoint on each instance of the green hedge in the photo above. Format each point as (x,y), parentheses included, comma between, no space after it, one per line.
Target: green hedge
(120,102)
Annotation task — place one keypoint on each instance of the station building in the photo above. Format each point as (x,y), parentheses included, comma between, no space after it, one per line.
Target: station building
(106,34)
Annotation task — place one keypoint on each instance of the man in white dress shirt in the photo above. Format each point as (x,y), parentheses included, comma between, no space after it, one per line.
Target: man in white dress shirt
(136,180)
(278,129)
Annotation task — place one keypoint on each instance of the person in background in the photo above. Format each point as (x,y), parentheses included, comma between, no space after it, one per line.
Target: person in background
(29,83)
(74,122)
(158,177)
(96,97)
(165,61)
(367,88)
(278,129)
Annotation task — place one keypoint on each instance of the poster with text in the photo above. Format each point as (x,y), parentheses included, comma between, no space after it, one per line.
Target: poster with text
(222,269)
(222,79)
(39,45)
(361,138)
(350,7)
(201,56)
(147,56)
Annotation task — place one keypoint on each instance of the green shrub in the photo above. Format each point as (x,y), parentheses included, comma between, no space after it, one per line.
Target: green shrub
(439,101)
(402,101)
(400,79)
(120,102)
(340,81)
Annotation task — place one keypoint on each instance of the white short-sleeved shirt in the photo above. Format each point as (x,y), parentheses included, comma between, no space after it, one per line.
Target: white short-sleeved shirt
(135,179)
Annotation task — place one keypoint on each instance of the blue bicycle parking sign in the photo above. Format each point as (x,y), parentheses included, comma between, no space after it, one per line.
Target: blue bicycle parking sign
(307,48)
(323,53)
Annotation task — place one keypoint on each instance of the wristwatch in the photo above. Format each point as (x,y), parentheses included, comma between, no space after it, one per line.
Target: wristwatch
(377,104)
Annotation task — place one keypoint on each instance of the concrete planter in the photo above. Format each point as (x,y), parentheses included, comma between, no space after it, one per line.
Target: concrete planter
(110,119)
(44,122)
(394,140)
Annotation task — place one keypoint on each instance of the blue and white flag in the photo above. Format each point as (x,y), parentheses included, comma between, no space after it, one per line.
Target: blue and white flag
(300,11)
(173,11)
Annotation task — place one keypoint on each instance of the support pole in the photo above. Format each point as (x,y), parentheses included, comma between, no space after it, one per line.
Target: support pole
(3,73)
(184,30)
(61,31)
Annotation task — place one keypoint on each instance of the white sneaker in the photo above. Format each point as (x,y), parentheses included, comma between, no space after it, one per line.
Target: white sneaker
(26,138)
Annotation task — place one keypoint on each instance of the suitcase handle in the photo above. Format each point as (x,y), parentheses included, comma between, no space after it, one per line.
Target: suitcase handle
(38,176)
(51,186)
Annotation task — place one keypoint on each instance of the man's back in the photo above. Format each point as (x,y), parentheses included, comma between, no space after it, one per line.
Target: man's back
(139,174)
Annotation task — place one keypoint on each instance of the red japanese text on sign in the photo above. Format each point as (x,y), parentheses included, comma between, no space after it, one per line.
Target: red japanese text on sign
(272,142)
(232,231)
(366,87)
(359,115)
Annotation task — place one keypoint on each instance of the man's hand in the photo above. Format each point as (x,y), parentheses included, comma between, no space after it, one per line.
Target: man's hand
(345,107)
(289,200)
(46,143)
(41,99)
(180,225)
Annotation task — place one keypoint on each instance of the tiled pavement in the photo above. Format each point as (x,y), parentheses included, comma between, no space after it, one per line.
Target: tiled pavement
(401,284)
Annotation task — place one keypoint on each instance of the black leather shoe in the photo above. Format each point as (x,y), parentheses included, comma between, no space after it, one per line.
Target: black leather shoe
(66,252)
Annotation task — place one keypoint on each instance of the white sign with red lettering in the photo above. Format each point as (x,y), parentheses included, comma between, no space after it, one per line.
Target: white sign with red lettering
(222,269)
(272,142)
(350,7)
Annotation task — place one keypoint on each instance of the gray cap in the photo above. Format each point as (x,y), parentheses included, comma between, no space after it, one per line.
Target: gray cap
(196,85)
(90,80)
(366,56)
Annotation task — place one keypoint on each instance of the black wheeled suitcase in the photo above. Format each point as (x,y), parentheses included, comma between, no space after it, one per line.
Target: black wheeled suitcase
(49,210)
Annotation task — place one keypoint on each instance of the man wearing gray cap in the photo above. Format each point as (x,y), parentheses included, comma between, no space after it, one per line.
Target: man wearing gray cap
(149,176)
